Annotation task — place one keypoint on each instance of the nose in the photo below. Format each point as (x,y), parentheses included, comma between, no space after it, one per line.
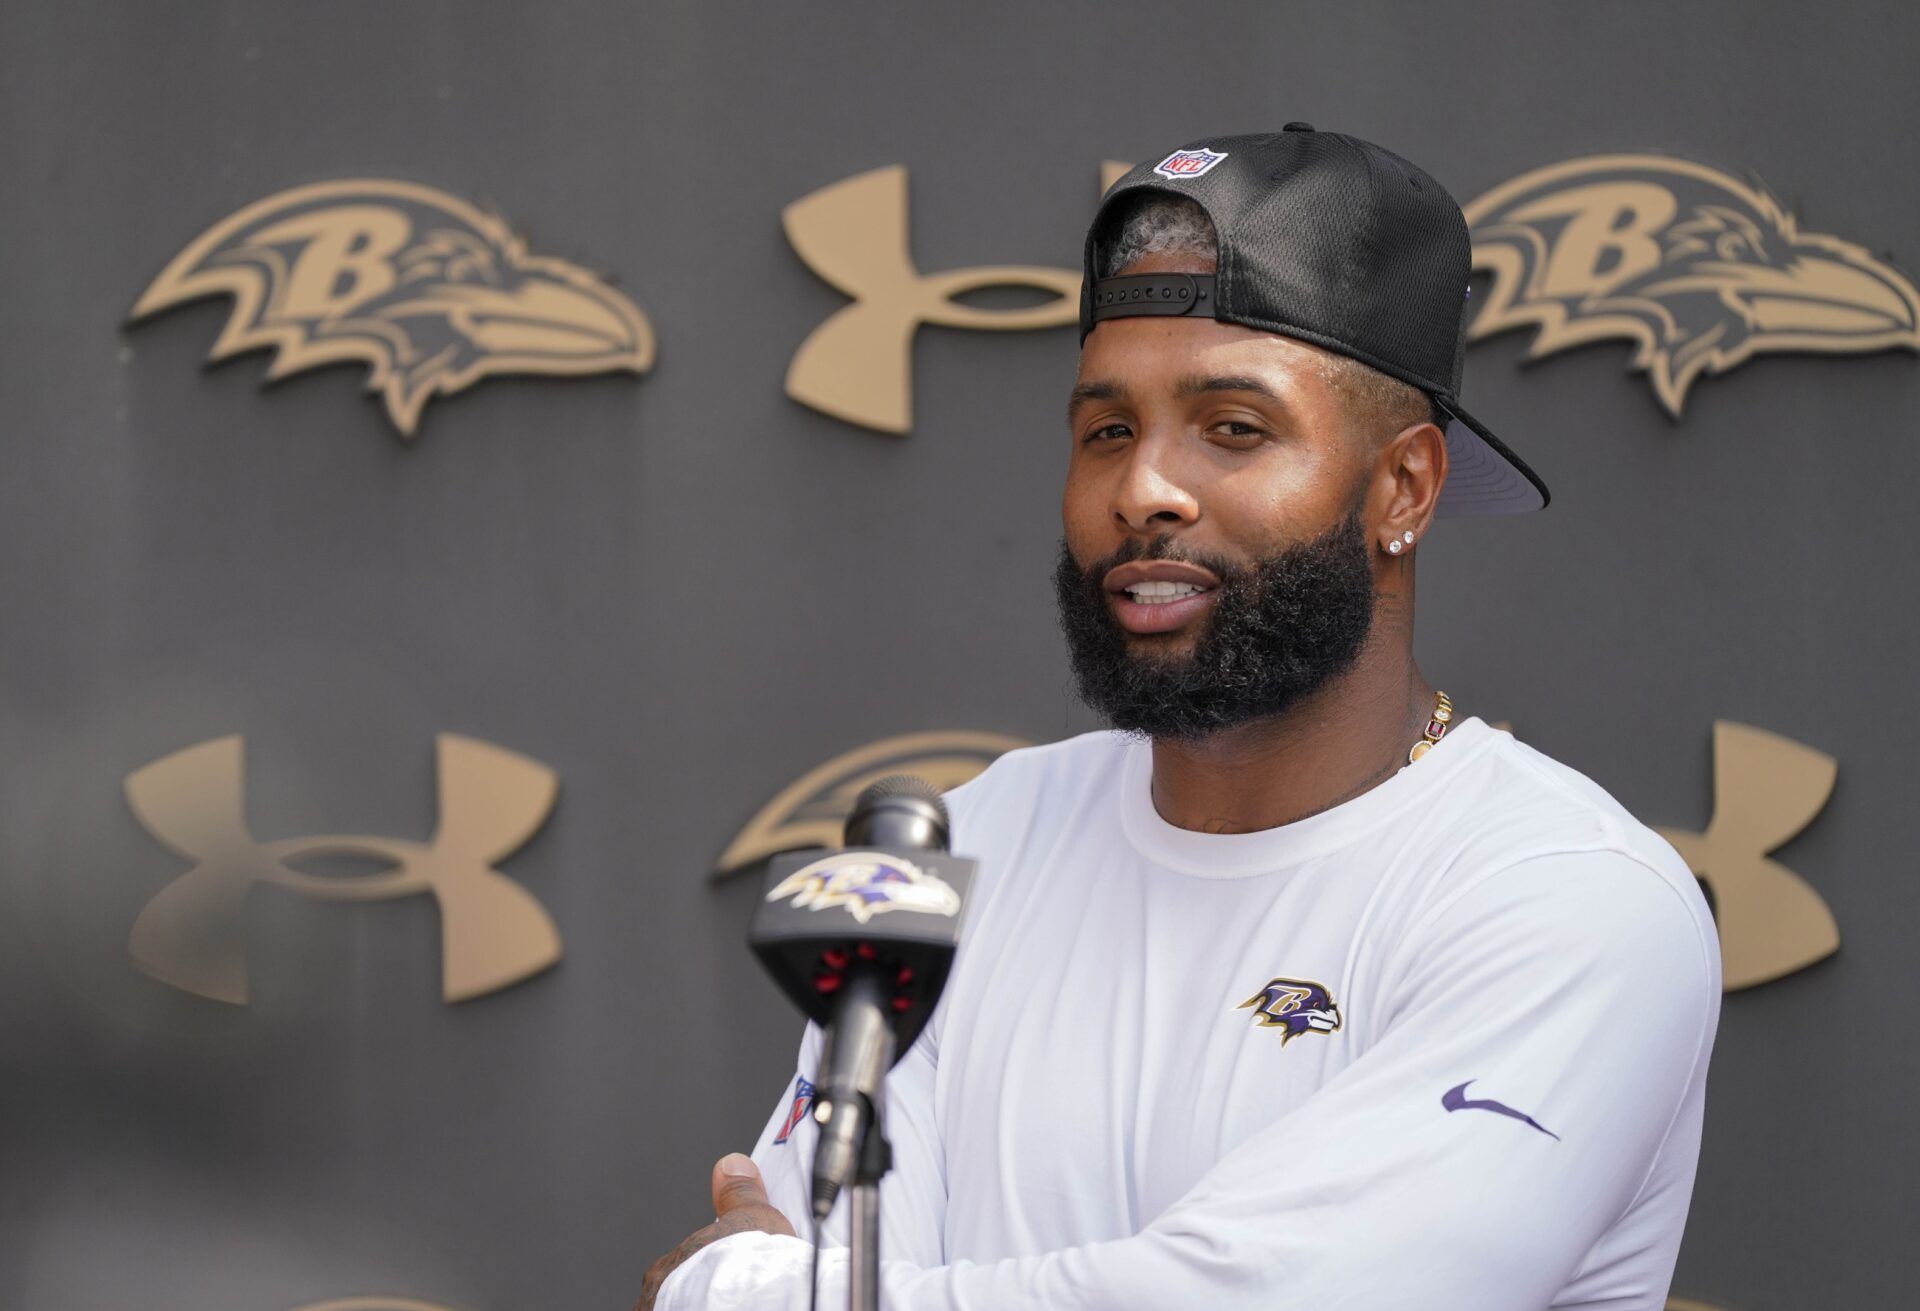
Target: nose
(1149,497)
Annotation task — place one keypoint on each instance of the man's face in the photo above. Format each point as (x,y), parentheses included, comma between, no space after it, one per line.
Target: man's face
(1215,566)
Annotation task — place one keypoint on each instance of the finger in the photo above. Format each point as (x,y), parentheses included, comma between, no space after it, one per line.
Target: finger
(736,1183)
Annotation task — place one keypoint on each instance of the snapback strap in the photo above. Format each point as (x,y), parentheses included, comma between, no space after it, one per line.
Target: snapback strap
(1153,293)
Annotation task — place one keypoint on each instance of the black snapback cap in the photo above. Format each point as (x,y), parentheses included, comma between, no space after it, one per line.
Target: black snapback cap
(1338,242)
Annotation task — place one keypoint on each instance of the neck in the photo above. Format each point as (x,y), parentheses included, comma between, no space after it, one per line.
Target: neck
(1347,737)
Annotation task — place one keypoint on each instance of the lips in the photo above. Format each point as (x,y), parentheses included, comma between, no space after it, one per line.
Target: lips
(1159,596)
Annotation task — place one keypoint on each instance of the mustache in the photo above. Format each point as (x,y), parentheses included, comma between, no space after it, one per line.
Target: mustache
(1163,547)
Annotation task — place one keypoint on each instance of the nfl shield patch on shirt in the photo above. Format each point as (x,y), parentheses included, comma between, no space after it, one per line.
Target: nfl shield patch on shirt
(802,1099)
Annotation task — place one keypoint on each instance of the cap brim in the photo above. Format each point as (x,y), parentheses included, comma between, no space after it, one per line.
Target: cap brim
(1483,476)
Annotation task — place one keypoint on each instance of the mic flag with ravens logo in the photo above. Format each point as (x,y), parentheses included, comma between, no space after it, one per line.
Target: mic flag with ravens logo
(426,290)
(1697,268)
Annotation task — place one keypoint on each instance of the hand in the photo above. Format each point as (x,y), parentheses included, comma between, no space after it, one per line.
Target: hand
(740,1201)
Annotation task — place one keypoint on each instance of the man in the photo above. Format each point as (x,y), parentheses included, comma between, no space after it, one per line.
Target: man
(1300,990)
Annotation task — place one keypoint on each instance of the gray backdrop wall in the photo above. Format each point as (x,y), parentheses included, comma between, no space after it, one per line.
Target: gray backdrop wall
(649,584)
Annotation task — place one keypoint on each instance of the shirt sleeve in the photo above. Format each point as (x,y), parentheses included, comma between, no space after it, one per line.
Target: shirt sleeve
(1542,1042)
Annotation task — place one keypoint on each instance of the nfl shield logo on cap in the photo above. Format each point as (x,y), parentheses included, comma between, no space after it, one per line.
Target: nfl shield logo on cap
(1183,164)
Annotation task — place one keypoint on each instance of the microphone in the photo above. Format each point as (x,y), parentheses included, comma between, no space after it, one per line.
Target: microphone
(862,940)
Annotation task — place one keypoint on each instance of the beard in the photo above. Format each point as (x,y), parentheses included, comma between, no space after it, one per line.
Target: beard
(1278,631)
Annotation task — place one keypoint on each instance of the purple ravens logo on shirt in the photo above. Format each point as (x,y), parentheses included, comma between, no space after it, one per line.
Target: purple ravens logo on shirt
(1293,1006)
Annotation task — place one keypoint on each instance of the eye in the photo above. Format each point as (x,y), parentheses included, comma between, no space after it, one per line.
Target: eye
(1105,431)
(1238,432)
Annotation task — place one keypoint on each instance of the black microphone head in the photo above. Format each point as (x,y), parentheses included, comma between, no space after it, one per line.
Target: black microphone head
(901,785)
(888,906)
(899,811)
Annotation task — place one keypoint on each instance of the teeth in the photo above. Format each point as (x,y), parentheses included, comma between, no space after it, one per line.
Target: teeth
(1159,592)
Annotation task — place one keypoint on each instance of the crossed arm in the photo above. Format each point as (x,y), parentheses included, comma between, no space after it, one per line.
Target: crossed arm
(1585,995)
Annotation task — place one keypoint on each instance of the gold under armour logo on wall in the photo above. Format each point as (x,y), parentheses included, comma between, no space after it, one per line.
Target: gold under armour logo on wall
(492,931)
(1698,269)
(1766,788)
(858,365)
(812,810)
(428,291)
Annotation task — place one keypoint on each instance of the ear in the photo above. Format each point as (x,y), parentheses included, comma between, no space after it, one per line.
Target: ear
(1408,473)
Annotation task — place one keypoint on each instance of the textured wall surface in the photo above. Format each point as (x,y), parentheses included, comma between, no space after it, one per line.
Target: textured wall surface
(681,591)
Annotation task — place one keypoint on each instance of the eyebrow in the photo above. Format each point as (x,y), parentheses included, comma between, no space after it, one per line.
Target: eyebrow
(1092,391)
(1195,384)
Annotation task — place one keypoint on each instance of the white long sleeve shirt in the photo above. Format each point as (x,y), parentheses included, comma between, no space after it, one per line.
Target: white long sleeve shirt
(1441,1047)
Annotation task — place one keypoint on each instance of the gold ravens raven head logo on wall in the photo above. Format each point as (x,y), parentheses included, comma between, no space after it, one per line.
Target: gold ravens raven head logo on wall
(812,810)
(426,290)
(1697,268)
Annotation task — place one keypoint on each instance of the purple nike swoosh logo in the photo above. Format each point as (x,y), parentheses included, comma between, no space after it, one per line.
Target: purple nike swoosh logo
(1456,1099)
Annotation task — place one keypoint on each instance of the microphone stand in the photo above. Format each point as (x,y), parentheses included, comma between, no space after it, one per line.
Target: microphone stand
(863,1267)
(859,1088)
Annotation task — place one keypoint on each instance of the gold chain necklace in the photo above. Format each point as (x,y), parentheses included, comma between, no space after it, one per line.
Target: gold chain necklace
(1436,727)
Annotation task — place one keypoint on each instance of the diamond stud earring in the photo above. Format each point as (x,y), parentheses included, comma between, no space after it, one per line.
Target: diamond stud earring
(1407,537)
(1393,547)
